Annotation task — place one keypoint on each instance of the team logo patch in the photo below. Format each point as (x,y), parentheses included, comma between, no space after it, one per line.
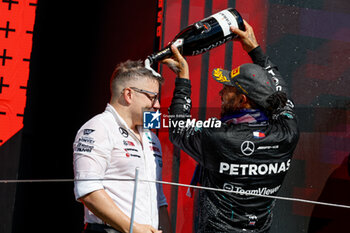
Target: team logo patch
(88,131)
(151,120)
(247,148)
(219,75)
(235,72)
(123,132)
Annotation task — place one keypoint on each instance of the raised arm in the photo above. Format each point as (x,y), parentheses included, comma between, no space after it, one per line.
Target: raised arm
(252,47)
(184,135)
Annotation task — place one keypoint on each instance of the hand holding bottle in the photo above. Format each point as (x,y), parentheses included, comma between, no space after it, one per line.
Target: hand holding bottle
(247,37)
(177,63)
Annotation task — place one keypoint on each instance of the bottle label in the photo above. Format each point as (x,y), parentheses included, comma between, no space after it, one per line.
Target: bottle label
(220,42)
(179,42)
(225,20)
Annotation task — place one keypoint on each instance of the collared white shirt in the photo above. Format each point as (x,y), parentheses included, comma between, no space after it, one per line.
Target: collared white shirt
(106,148)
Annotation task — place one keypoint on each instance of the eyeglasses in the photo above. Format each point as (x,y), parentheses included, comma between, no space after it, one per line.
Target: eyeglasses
(153,98)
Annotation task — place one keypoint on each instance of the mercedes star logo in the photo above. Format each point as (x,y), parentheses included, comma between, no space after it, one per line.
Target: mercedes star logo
(124,132)
(247,148)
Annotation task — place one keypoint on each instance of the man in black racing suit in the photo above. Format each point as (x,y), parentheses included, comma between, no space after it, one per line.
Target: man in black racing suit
(248,151)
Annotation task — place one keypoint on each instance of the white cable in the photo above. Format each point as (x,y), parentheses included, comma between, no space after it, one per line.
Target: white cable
(181,185)
(251,194)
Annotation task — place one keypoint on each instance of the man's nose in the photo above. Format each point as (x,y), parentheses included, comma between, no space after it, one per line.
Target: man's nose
(156,104)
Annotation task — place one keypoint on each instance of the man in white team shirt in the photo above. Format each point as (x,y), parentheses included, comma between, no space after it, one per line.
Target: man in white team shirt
(110,146)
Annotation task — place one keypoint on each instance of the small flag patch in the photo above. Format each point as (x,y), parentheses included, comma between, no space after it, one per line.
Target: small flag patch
(258,134)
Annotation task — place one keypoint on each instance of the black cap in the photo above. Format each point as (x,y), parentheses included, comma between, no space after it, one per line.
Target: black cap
(250,79)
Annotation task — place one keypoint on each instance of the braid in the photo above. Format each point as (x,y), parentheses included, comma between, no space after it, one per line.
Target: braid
(276,101)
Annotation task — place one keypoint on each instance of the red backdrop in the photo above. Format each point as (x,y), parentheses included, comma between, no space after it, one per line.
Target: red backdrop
(16,32)
(177,15)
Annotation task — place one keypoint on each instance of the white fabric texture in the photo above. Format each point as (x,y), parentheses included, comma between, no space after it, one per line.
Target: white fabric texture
(105,148)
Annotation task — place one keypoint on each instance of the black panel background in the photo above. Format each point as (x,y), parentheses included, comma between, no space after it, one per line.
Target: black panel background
(76,46)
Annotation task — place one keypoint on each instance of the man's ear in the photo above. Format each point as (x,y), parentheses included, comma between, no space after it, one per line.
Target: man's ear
(243,99)
(245,102)
(127,95)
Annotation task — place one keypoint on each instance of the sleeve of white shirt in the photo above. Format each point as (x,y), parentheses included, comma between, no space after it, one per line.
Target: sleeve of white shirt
(92,150)
(161,199)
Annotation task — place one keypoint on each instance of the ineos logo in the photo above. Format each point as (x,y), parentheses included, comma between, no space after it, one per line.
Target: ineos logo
(247,148)
(123,132)
(276,80)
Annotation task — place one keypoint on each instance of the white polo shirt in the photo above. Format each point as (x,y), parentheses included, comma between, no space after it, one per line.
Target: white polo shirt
(106,148)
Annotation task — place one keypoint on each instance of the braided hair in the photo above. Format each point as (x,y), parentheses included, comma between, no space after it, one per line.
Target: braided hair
(276,101)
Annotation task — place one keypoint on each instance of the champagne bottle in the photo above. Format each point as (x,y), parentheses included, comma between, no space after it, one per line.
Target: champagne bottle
(202,36)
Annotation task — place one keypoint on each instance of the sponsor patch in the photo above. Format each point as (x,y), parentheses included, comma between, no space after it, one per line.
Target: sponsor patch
(85,139)
(81,147)
(88,131)
(235,72)
(123,132)
(127,154)
(254,169)
(252,219)
(131,149)
(267,147)
(148,136)
(258,191)
(128,143)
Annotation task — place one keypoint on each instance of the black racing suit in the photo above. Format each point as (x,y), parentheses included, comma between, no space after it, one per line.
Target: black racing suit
(233,159)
